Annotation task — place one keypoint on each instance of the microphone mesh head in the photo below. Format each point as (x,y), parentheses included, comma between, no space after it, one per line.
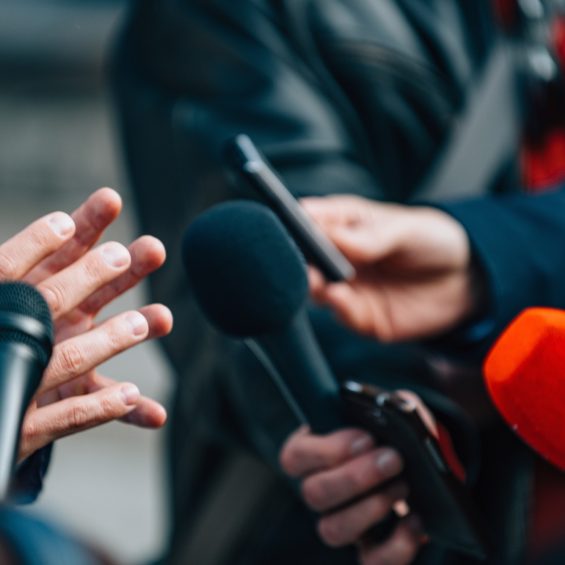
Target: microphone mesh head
(23,299)
(246,273)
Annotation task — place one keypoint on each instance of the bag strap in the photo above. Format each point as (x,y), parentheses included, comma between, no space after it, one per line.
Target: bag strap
(470,162)
(473,161)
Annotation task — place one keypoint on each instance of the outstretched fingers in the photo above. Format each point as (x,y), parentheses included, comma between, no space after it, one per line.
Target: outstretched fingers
(66,289)
(147,255)
(90,219)
(80,354)
(43,425)
(22,252)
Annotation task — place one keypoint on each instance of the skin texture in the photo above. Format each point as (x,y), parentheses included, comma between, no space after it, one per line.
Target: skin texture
(415,277)
(58,254)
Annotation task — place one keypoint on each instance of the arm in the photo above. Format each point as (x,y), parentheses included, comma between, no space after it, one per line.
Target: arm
(424,271)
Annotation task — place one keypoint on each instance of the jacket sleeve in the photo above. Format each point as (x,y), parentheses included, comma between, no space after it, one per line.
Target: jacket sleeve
(518,241)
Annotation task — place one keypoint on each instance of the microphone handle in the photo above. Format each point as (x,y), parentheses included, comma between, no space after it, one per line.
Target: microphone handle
(295,362)
(20,373)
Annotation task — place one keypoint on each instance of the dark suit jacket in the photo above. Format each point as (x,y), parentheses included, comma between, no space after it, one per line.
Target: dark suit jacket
(343,96)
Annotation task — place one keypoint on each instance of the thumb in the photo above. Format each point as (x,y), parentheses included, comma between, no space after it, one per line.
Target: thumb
(362,244)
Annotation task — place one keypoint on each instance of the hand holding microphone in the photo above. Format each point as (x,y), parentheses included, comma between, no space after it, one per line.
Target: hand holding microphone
(249,279)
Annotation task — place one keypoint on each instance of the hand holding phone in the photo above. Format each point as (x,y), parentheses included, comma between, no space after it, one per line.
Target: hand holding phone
(436,494)
(245,159)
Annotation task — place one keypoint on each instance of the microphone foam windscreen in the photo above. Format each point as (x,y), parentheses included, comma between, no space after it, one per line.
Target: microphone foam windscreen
(24,300)
(525,376)
(246,272)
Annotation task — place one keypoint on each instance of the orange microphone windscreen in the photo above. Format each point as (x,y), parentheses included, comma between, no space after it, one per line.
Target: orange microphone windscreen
(525,376)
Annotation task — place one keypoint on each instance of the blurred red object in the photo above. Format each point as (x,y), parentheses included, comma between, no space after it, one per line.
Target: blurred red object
(543,165)
(507,13)
(559,39)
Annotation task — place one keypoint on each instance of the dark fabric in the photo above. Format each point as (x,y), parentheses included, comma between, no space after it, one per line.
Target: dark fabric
(517,239)
(343,96)
(33,542)
(30,475)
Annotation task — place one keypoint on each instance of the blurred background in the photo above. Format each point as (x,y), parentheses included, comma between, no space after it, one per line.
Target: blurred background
(57,144)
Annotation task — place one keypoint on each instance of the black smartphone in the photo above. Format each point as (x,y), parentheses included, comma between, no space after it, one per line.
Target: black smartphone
(441,500)
(245,159)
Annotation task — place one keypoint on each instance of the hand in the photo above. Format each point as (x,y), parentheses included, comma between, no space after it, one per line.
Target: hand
(356,485)
(56,254)
(415,277)
(340,475)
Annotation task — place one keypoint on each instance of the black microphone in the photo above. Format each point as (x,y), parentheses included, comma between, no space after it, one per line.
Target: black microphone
(26,343)
(249,278)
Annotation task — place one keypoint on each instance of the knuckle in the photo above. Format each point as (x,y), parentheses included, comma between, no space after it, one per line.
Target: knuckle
(355,481)
(330,531)
(8,269)
(288,460)
(78,416)
(29,432)
(340,449)
(115,337)
(40,238)
(107,409)
(295,457)
(314,493)
(71,359)
(380,506)
(94,269)
(55,298)
(90,382)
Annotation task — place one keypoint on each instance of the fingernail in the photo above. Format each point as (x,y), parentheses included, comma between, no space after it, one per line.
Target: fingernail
(389,462)
(61,224)
(115,255)
(130,394)
(361,444)
(137,323)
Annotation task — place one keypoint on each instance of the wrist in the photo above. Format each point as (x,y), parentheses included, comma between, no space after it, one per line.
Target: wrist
(478,293)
